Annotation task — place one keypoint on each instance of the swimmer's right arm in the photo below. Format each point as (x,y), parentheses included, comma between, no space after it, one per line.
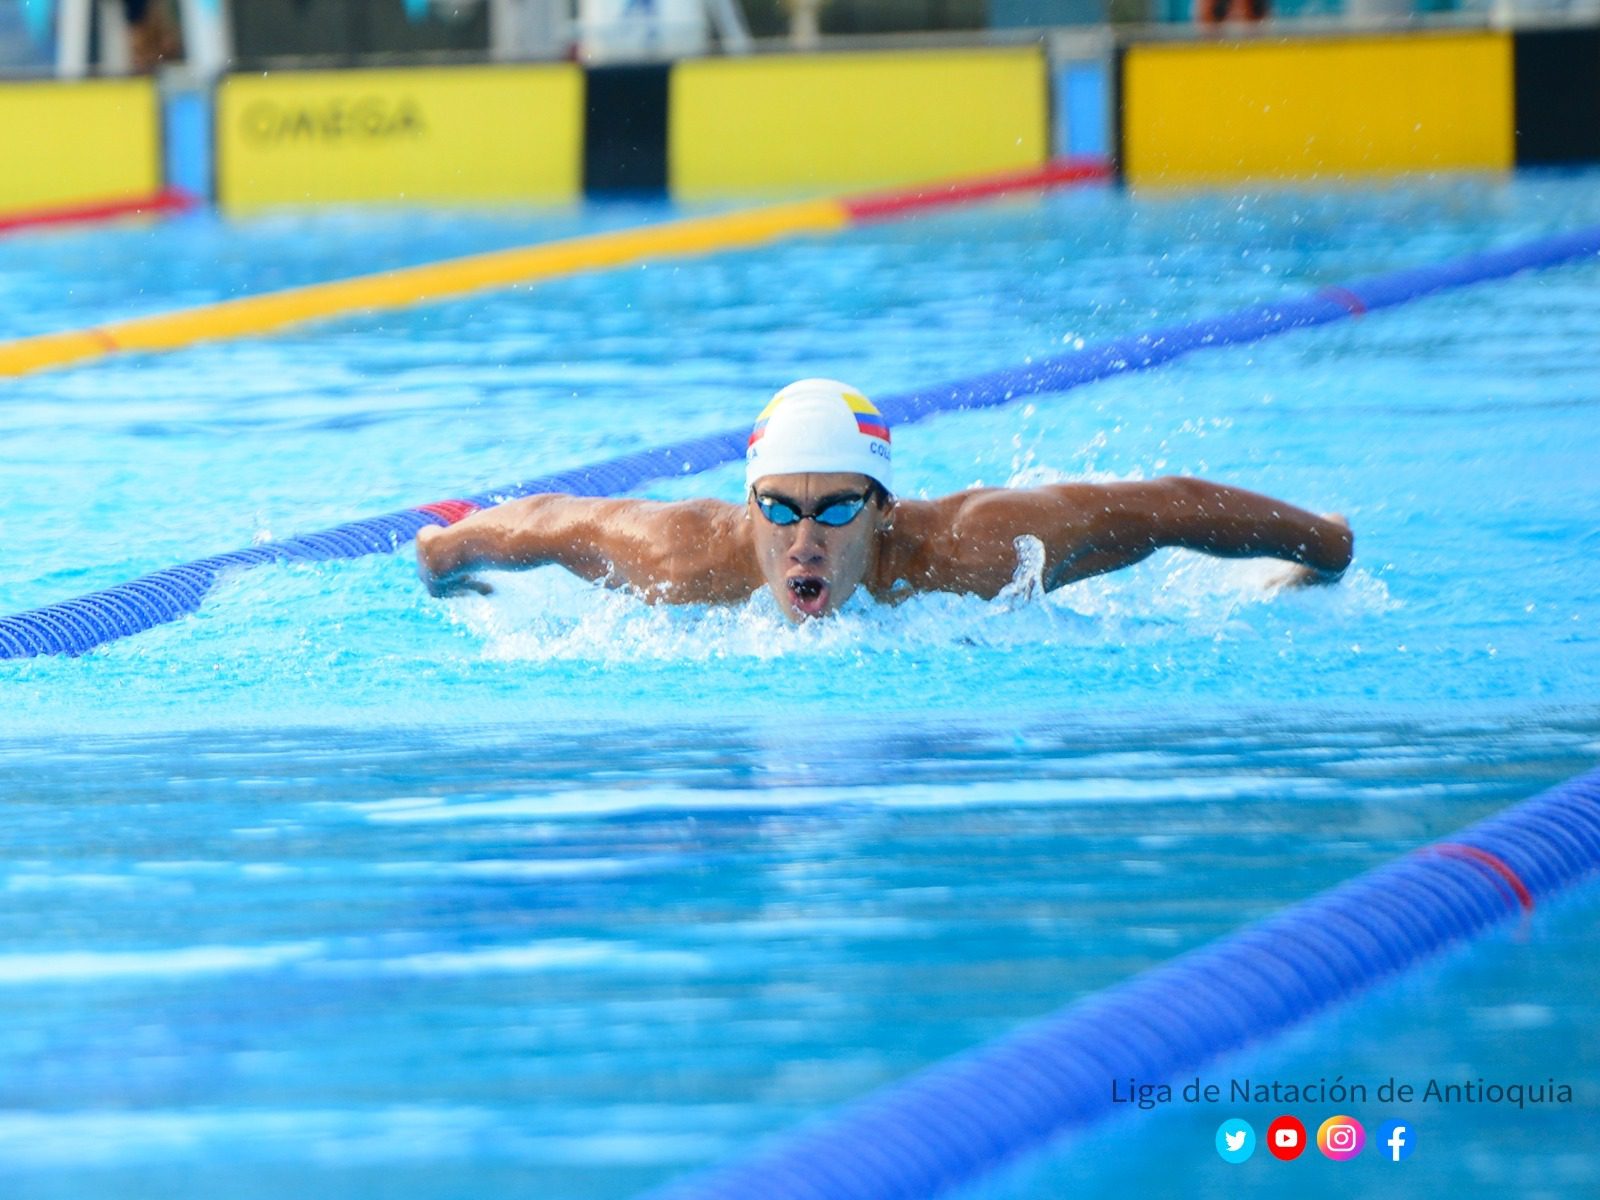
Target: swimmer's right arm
(521,533)
(434,553)
(662,550)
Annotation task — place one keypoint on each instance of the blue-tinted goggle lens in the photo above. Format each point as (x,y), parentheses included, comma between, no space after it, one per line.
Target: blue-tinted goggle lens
(840,512)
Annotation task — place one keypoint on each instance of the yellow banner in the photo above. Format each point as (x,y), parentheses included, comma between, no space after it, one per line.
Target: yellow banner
(77,143)
(430,134)
(797,123)
(1340,106)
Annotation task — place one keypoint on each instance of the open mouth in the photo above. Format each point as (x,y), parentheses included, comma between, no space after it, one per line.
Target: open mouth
(809,594)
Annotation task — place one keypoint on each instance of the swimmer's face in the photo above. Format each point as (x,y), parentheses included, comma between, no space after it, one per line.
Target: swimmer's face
(813,567)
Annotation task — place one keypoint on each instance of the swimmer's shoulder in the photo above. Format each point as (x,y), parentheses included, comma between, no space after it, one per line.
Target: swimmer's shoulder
(612,529)
(694,517)
(966,541)
(700,519)
(930,523)
(702,552)
(924,541)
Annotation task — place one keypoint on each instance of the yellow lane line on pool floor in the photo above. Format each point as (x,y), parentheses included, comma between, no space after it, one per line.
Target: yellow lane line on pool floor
(250,315)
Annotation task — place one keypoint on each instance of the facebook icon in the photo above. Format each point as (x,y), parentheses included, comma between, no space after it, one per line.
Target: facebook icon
(1398,1138)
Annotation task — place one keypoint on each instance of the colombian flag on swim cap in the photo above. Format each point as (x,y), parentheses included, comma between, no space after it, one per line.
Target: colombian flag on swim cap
(819,425)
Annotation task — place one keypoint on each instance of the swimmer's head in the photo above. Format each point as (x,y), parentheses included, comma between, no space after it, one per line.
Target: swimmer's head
(819,425)
(817,477)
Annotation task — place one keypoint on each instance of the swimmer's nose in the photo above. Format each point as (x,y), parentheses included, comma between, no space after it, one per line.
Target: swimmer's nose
(807,544)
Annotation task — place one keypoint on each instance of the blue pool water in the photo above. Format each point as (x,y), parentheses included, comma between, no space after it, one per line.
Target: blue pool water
(336,889)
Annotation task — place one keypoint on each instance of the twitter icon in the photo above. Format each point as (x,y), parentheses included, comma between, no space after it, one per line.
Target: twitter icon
(1236,1140)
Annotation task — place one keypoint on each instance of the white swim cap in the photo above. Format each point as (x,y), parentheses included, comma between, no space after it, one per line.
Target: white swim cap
(819,425)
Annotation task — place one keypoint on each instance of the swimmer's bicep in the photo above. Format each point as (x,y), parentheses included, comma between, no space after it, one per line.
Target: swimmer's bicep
(1106,527)
(1083,530)
(601,539)
(982,545)
(536,531)
(975,550)
(675,551)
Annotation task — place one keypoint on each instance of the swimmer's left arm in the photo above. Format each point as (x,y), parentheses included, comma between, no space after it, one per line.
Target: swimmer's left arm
(1125,522)
(1089,529)
(1305,575)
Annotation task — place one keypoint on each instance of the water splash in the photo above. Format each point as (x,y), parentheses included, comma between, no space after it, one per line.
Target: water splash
(1027,583)
(544,617)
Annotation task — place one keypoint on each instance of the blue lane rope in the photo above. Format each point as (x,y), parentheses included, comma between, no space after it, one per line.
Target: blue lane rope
(968,1114)
(78,625)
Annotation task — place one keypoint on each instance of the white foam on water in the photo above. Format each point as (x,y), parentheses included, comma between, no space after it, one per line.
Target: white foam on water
(393,1134)
(555,954)
(84,965)
(1093,788)
(520,869)
(30,881)
(537,618)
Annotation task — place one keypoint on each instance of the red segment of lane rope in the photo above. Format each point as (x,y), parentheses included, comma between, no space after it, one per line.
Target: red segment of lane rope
(879,206)
(450,510)
(1344,296)
(163,203)
(1496,864)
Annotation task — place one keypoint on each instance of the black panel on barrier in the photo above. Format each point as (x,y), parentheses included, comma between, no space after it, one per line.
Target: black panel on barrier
(1119,126)
(625,129)
(1558,96)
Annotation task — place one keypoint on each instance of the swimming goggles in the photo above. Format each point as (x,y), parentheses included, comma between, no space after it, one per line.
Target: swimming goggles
(839,511)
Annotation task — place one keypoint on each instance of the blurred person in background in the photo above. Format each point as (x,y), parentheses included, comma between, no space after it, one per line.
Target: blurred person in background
(1215,12)
(153,36)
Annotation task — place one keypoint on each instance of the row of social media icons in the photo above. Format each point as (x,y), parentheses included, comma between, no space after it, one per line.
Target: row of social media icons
(1338,1137)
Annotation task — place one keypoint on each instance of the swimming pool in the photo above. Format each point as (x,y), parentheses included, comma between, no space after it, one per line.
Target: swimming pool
(333,888)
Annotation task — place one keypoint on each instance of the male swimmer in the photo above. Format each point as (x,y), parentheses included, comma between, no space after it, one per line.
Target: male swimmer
(820,520)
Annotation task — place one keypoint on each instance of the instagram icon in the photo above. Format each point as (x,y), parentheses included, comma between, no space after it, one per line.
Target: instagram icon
(1341,1138)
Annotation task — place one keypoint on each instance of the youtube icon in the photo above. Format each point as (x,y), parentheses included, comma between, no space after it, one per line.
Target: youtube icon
(1286,1138)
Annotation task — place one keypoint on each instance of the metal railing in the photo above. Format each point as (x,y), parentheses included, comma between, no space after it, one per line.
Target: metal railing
(200,38)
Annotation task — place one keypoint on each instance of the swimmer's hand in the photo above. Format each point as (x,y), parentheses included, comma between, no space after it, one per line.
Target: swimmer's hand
(443,583)
(458,585)
(1303,575)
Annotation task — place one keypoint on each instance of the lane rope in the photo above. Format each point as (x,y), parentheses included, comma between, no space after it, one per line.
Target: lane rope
(163,203)
(77,625)
(1514,885)
(249,316)
(959,1119)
